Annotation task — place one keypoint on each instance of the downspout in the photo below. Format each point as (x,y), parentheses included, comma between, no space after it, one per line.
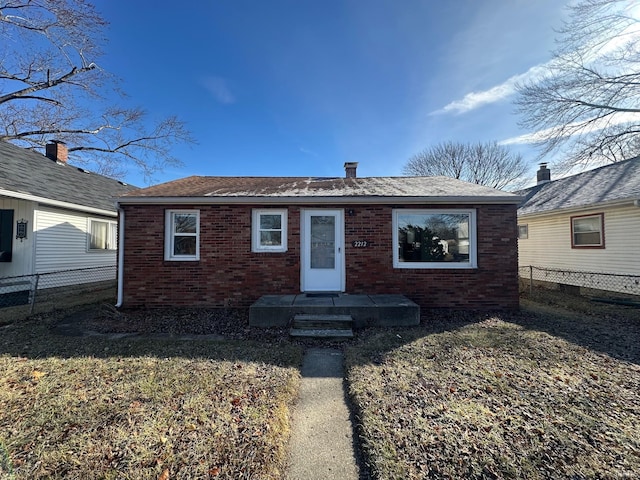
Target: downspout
(120,256)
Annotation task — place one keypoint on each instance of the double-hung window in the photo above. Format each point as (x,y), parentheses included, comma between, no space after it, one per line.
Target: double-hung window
(102,235)
(269,232)
(434,238)
(587,231)
(182,235)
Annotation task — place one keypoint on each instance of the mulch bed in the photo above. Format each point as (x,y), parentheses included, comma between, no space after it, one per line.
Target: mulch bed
(227,323)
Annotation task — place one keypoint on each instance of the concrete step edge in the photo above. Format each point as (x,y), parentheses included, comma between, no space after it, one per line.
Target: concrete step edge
(325,317)
(321,333)
(320,326)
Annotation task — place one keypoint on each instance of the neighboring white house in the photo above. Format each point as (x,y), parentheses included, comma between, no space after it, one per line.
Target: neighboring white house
(53,216)
(588,222)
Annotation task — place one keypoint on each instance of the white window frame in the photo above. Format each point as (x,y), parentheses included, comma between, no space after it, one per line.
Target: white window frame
(255,230)
(170,235)
(473,243)
(112,235)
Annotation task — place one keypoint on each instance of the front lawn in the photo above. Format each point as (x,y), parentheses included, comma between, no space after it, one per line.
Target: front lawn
(91,407)
(527,395)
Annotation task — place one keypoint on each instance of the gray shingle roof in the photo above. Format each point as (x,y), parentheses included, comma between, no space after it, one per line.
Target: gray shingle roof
(616,182)
(29,173)
(280,188)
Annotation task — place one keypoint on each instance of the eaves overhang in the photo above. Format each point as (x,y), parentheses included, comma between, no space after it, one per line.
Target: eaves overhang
(316,200)
(58,203)
(582,208)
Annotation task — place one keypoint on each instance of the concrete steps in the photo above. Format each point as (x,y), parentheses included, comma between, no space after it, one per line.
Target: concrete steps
(322,326)
(383,310)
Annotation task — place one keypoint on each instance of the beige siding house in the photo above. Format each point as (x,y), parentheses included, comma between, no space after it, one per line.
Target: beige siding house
(54,218)
(583,230)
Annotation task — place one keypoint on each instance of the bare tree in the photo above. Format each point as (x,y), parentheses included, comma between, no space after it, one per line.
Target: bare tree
(587,104)
(486,164)
(52,87)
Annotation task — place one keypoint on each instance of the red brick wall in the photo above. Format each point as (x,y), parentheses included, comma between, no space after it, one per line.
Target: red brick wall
(228,273)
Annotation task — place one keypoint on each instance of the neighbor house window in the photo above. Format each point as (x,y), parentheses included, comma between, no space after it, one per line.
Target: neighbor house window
(269,230)
(523,232)
(102,235)
(182,235)
(434,239)
(587,231)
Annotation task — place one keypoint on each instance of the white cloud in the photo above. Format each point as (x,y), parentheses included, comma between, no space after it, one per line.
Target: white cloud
(572,129)
(474,100)
(219,89)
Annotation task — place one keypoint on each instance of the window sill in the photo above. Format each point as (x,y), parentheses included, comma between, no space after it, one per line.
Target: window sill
(411,266)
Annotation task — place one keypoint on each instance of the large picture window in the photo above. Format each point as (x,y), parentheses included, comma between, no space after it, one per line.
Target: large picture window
(587,231)
(102,235)
(182,235)
(434,239)
(269,230)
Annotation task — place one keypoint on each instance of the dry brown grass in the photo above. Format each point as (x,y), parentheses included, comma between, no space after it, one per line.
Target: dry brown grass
(543,393)
(142,408)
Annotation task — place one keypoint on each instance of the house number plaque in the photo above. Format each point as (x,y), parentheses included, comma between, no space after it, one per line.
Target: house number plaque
(360,244)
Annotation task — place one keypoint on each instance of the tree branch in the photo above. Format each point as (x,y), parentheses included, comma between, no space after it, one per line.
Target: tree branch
(48,84)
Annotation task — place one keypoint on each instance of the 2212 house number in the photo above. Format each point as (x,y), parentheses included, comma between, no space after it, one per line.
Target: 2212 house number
(360,243)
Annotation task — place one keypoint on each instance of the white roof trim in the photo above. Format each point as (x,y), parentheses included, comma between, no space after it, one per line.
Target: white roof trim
(273,200)
(57,203)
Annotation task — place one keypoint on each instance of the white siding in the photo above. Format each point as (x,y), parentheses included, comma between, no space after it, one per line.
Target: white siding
(549,243)
(62,241)
(22,257)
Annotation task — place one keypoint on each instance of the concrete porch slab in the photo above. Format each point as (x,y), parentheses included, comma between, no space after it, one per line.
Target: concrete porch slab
(366,310)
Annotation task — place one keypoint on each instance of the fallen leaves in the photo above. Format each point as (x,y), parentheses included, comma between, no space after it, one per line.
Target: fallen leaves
(196,410)
(496,400)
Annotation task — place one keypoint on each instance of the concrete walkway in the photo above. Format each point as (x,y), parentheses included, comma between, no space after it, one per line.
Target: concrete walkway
(322,434)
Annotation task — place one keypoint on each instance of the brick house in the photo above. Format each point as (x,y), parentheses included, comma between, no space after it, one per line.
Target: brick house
(227,241)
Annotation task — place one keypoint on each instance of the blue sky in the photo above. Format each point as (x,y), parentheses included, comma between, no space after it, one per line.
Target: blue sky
(300,87)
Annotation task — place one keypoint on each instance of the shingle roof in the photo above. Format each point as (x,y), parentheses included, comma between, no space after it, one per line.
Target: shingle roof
(31,174)
(273,188)
(616,182)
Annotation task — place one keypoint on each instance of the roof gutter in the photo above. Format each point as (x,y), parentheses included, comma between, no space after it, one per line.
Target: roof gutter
(56,203)
(309,200)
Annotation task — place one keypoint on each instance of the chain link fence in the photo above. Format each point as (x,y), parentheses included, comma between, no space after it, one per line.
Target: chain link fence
(43,292)
(580,283)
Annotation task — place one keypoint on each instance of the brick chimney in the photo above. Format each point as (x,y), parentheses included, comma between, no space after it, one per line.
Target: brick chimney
(350,169)
(57,151)
(544,174)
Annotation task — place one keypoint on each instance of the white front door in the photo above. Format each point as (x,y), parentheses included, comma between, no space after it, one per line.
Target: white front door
(322,251)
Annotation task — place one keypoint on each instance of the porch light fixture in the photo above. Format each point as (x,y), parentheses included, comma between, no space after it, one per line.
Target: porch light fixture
(21,229)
